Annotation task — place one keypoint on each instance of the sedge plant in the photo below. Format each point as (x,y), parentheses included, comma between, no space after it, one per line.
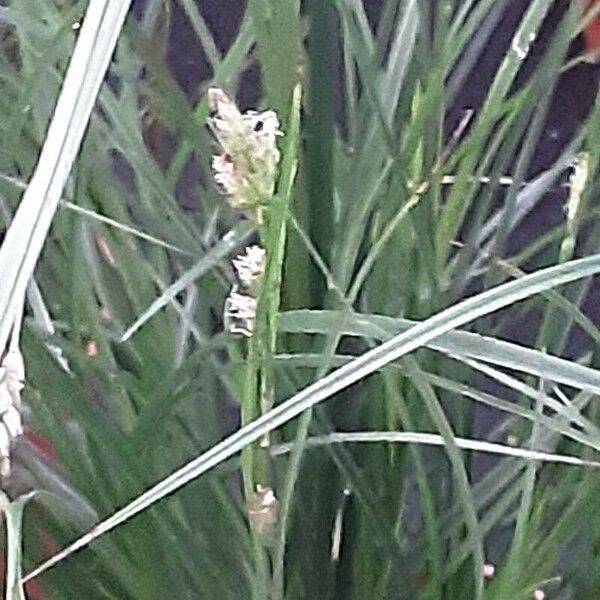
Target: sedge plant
(323,364)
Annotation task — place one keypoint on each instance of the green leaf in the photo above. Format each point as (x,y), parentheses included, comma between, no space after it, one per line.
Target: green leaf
(433,439)
(454,343)
(14,545)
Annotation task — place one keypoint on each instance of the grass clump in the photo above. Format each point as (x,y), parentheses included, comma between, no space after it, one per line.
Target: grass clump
(193,296)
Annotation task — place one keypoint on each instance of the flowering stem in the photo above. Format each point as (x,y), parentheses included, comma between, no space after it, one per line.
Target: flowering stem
(246,170)
(259,384)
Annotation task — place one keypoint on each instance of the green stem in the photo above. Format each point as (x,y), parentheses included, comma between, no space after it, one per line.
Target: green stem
(259,382)
(320,129)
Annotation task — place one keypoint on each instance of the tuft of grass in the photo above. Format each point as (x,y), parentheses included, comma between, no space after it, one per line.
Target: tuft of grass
(394,274)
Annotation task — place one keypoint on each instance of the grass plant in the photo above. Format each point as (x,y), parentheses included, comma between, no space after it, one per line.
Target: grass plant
(416,440)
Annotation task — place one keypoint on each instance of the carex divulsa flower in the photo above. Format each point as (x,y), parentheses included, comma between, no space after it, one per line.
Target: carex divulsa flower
(263,512)
(241,304)
(246,169)
(240,313)
(12,380)
(250,268)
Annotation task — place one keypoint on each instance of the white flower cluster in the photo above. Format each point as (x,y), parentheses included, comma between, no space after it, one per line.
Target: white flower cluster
(250,267)
(240,305)
(12,379)
(240,313)
(247,167)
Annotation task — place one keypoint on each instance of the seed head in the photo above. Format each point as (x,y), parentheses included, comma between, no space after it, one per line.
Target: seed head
(240,313)
(263,512)
(247,167)
(12,379)
(250,268)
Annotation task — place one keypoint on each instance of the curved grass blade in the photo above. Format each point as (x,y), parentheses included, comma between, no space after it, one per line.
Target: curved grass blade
(14,547)
(401,51)
(557,425)
(461,344)
(434,439)
(459,473)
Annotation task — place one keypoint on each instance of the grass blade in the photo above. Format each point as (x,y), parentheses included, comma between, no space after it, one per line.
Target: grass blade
(457,343)
(433,439)
(14,544)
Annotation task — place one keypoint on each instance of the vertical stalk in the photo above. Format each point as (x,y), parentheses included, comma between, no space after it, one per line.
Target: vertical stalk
(320,130)
(259,381)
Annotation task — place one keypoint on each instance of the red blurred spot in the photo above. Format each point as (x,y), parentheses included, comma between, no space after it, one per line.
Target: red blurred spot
(35,591)
(104,248)
(91,349)
(48,545)
(42,444)
(591,34)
